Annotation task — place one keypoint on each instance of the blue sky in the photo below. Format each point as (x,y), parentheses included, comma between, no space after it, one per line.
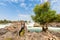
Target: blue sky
(22,9)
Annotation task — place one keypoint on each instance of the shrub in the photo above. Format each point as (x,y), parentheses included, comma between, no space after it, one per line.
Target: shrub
(8,38)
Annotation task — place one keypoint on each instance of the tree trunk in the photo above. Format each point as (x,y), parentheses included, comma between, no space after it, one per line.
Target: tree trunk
(45,28)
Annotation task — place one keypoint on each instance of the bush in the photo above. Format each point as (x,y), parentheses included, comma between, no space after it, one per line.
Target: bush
(22,33)
(8,38)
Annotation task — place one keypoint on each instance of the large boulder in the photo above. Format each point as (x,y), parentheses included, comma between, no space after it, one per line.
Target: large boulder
(39,36)
(3,31)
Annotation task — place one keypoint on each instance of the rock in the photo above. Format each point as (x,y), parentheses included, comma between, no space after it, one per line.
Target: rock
(39,36)
(31,36)
(54,24)
(8,34)
(36,25)
(3,31)
(12,32)
(58,25)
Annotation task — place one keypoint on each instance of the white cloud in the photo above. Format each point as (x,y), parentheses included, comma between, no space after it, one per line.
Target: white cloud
(35,0)
(55,6)
(46,0)
(22,0)
(23,5)
(3,4)
(27,7)
(14,1)
(17,0)
(30,5)
(31,0)
(24,17)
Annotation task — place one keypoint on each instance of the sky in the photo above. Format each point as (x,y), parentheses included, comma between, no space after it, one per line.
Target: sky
(22,9)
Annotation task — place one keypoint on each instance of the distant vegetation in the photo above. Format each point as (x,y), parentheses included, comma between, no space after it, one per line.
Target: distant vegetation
(5,21)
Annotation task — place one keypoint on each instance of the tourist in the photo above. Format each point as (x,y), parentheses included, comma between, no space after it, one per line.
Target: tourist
(22,30)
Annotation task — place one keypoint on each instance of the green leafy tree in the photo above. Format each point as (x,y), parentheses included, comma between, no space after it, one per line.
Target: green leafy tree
(57,18)
(44,15)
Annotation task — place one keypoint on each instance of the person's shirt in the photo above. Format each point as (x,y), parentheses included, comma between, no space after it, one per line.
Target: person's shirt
(22,26)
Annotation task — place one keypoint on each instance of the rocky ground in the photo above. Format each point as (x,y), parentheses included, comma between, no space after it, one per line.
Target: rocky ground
(11,33)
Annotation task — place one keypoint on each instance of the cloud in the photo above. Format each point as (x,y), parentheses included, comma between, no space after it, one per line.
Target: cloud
(26,6)
(35,0)
(22,0)
(55,5)
(14,1)
(17,1)
(2,4)
(24,17)
(31,0)
(46,0)
(23,5)
(30,5)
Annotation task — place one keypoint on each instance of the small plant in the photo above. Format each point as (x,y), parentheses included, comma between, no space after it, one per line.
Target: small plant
(22,33)
(8,38)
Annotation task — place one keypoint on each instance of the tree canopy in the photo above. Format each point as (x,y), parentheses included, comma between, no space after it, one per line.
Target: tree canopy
(44,14)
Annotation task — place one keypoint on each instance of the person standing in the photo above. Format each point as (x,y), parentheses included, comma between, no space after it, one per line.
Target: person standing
(22,29)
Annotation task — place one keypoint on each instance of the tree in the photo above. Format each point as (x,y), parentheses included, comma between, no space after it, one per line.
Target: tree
(5,21)
(57,18)
(44,15)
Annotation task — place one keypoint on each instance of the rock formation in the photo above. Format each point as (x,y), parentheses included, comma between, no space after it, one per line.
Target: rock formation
(11,33)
